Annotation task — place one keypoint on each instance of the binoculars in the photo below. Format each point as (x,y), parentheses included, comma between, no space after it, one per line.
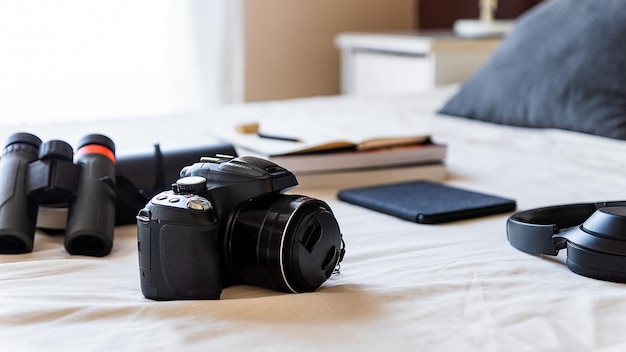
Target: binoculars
(36,176)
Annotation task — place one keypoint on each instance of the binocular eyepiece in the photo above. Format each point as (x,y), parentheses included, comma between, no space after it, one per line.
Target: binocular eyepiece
(36,175)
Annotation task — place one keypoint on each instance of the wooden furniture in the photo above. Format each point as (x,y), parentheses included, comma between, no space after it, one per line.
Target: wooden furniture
(407,62)
(443,13)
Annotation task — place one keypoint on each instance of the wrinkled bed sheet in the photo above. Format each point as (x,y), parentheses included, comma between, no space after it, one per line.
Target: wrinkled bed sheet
(403,286)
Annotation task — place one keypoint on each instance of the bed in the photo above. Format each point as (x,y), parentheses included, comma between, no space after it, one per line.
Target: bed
(402,286)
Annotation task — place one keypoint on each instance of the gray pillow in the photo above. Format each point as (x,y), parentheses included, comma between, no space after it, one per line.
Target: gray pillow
(562,66)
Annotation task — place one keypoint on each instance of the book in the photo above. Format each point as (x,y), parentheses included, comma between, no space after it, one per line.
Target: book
(320,133)
(341,160)
(333,143)
(370,177)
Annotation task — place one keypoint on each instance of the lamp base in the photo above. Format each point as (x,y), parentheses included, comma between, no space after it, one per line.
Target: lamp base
(482,29)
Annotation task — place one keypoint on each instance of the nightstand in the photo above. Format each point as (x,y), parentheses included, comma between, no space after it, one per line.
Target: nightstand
(407,62)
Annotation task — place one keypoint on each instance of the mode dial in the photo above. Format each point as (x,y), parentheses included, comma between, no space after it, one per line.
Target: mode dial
(190,184)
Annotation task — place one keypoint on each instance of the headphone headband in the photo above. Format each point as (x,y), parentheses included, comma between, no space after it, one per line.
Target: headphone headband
(591,252)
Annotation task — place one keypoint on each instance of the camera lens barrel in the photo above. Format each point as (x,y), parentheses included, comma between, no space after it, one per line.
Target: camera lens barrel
(289,243)
(91,217)
(18,213)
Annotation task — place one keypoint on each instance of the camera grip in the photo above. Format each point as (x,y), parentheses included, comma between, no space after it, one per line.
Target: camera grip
(178,261)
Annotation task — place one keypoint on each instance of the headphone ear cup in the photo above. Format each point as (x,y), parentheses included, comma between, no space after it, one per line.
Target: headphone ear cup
(607,222)
(597,248)
(602,266)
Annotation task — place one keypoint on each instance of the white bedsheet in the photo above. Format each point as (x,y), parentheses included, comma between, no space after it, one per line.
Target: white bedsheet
(402,287)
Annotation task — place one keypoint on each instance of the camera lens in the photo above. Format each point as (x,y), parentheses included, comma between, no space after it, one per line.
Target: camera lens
(289,243)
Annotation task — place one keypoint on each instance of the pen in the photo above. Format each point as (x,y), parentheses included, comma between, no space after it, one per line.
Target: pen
(250,128)
(280,138)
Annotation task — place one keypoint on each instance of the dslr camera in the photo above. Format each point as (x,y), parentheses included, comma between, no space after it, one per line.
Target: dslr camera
(39,181)
(227,221)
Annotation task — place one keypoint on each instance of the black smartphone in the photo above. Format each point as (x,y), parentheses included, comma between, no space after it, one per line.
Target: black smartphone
(427,202)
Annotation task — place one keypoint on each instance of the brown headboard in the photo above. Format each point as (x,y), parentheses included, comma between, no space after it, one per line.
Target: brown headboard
(443,13)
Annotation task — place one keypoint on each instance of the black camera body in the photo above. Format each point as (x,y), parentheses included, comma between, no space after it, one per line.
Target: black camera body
(227,221)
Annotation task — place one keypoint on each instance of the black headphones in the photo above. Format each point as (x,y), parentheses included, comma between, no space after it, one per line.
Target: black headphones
(594,235)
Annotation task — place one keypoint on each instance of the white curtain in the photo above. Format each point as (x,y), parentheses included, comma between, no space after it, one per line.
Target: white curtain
(80,60)
(207,51)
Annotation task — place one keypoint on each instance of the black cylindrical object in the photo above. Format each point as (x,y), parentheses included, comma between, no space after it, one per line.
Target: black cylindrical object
(155,171)
(288,243)
(18,213)
(91,217)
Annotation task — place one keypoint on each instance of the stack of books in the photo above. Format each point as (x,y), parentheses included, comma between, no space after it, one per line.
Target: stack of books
(341,153)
